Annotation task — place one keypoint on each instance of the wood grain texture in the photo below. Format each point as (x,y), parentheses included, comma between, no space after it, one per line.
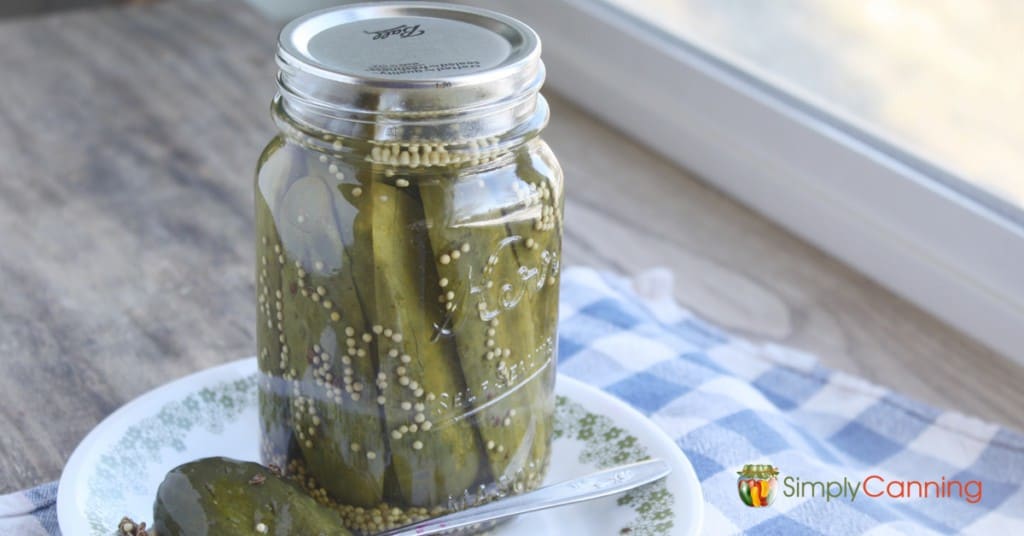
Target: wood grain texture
(14,8)
(128,138)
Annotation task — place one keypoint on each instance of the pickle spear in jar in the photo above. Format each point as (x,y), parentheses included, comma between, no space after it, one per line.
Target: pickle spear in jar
(434,448)
(335,420)
(480,282)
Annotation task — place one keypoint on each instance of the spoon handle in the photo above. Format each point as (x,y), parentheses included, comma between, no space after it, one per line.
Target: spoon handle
(593,486)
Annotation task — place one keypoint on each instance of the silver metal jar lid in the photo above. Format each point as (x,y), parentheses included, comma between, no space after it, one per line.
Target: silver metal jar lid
(408,58)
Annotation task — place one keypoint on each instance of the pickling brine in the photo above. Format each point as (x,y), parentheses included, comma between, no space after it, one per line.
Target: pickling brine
(407,280)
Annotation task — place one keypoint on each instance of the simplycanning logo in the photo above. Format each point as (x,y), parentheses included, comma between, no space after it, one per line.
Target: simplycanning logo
(758,485)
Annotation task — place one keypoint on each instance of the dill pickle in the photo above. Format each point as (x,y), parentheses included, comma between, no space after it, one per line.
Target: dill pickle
(434,452)
(327,384)
(481,284)
(224,497)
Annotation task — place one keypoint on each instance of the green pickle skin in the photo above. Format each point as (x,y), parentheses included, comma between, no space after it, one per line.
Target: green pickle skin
(224,497)
(408,304)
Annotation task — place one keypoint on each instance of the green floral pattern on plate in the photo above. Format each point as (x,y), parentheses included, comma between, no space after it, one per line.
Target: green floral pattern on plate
(141,444)
(607,445)
(211,408)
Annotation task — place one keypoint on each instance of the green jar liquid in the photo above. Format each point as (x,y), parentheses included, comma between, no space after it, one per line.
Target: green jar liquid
(407,312)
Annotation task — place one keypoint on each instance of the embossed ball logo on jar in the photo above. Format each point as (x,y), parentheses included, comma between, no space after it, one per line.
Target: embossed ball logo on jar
(757,485)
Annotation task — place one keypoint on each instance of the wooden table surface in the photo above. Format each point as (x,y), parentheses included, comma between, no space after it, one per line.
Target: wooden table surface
(128,137)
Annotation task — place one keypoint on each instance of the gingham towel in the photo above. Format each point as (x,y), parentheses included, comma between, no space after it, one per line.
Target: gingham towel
(728,403)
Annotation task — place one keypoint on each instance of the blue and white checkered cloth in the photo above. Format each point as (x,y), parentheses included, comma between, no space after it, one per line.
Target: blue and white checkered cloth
(728,402)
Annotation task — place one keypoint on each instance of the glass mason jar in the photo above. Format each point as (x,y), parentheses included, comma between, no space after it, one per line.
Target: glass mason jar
(409,233)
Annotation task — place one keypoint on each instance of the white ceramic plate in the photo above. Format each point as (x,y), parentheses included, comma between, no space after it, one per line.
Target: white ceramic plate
(117,468)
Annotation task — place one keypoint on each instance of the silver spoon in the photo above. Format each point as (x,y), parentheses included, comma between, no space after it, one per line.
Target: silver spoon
(593,486)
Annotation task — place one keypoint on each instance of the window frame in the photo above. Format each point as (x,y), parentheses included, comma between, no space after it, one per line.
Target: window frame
(899,220)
